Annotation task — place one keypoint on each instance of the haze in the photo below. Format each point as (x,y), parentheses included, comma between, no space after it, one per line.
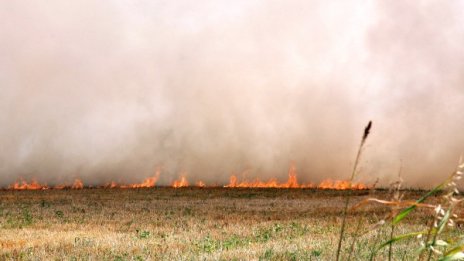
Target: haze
(113,90)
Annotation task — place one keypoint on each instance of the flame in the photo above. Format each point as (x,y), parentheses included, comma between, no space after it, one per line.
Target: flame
(147,183)
(340,185)
(34,185)
(112,184)
(182,182)
(150,182)
(77,184)
(292,182)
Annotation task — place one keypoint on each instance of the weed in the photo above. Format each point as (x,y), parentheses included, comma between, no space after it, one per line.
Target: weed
(268,254)
(142,234)
(59,214)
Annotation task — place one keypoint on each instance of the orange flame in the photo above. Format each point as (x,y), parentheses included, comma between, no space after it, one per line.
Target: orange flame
(34,185)
(292,182)
(77,184)
(147,183)
(340,185)
(150,182)
(182,182)
(112,184)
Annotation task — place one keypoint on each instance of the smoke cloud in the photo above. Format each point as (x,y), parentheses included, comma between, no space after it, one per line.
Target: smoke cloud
(113,90)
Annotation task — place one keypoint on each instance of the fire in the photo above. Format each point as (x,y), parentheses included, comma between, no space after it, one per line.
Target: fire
(34,185)
(182,182)
(292,182)
(112,184)
(341,185)
(77,184)
(147,183)
(150,182)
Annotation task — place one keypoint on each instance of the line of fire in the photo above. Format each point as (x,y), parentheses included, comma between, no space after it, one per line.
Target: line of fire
(182,182)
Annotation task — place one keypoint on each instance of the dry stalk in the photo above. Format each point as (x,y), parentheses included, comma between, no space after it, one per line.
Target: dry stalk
(367,130)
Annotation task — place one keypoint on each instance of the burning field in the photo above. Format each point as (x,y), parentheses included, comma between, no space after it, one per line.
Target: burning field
(242,220)
(231,130)
(182,182)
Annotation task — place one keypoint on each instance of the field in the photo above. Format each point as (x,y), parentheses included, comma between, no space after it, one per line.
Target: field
(193,224)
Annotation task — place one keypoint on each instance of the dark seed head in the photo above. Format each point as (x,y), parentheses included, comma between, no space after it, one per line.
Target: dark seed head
(367,130)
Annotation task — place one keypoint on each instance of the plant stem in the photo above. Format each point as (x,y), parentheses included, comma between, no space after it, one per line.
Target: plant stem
(429,233)
(390,246)
(347,200)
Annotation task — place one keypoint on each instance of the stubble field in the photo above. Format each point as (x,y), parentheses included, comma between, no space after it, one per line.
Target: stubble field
(193,224)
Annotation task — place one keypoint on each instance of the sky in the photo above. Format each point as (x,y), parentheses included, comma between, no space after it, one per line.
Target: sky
(114,90)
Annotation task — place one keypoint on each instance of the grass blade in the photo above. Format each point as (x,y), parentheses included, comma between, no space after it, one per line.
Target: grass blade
(405,212)
(400,237)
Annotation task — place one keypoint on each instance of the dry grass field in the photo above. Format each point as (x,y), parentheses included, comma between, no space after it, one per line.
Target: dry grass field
(192,224)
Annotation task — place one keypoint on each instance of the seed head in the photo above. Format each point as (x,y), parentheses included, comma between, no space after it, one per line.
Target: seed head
(367,130)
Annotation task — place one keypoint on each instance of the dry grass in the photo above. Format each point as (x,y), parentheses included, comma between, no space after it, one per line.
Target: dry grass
(186,224)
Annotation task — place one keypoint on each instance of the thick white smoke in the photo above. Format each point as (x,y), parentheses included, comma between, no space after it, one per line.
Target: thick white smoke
(115,89)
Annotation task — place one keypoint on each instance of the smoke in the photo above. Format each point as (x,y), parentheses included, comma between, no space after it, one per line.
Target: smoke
(114,90)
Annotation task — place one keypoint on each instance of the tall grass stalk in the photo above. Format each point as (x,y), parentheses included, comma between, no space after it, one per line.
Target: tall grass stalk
(348,196)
